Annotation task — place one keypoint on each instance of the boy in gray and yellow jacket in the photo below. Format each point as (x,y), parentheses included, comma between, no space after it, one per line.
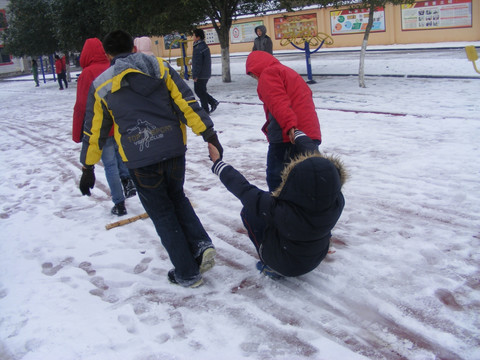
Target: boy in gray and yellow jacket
(149,106)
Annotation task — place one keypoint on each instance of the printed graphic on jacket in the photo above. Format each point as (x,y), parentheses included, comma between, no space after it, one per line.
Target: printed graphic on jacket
(145,132)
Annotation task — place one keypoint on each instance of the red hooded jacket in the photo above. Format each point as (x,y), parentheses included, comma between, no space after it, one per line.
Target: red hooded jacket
(60,65)
(285,95)
(93,61)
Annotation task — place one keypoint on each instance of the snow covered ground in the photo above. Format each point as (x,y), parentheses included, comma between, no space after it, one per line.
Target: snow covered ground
(403,282)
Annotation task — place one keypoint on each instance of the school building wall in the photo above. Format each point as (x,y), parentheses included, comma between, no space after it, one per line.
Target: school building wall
(397,24)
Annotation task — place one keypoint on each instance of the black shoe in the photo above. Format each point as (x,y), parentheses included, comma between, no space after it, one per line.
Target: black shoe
(195,284)
(119,209)
(214,106)
(268,271)
(129,188)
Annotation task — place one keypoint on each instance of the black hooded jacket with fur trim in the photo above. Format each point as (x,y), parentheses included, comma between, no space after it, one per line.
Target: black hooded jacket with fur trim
(299,215)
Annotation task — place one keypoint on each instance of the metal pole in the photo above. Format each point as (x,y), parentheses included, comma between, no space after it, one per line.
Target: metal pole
(43,70)
(184,56)
(52,62)
(309,63)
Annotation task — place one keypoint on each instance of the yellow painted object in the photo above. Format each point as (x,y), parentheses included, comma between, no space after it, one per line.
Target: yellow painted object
(181,64)
(472,56)
(301,37)
(180,61)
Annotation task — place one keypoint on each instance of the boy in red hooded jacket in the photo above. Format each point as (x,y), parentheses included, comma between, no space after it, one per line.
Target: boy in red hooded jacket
(61,71)
(288,104)
(94,61)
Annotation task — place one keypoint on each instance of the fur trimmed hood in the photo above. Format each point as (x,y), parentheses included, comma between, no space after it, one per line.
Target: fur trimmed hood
(312,182)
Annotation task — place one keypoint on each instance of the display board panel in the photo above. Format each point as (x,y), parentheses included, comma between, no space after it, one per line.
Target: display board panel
(439,14)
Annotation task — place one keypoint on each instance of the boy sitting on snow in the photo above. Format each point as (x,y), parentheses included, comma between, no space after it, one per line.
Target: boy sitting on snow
(290,227)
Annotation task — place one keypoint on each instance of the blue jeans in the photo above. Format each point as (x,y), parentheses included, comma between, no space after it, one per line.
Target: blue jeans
(160,189)
(115,169)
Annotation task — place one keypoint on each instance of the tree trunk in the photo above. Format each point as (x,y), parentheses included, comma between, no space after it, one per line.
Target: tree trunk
(223,33)
(226,77)
(361,71)
(67,67)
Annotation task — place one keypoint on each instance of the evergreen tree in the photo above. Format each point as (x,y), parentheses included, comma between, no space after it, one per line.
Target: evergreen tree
(31,29)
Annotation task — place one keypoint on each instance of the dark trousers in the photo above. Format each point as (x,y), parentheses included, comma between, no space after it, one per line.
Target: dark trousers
(62,77)
(160,189)
(200,88)
(278,156)
(255,227)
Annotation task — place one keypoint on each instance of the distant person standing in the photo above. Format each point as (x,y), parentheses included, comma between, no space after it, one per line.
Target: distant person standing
(61,70)
(263,41)
(35,72)
(202,70)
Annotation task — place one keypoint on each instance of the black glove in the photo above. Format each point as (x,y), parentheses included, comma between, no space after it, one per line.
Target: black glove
(214,141)
(88,180)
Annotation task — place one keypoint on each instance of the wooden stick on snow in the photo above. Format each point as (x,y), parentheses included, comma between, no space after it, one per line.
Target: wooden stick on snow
(126,221)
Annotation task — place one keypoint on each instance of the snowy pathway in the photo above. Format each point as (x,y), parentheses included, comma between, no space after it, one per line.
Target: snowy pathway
(403,283)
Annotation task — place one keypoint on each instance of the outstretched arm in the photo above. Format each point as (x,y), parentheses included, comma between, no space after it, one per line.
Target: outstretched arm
(236,183)
(302,141)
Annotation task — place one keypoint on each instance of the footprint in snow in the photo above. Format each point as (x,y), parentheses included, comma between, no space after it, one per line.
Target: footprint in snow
(142,266)
(87,267)
(50,270)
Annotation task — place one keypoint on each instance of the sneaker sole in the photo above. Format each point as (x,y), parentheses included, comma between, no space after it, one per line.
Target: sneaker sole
(208,260)
(193,286)
(197,284)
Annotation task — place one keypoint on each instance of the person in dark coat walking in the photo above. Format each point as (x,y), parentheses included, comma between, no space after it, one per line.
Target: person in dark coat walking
(150,106)
(263,41)
(291,227)
(202,70)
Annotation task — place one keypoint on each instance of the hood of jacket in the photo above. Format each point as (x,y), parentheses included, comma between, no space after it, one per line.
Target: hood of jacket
(146,64)
(312,182)
(143,45)
(92,53)
(257,61)
(262,28)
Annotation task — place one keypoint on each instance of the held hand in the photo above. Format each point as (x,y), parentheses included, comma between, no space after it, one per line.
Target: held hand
(213,151)
(291,135)
(215,142)
(87,180)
